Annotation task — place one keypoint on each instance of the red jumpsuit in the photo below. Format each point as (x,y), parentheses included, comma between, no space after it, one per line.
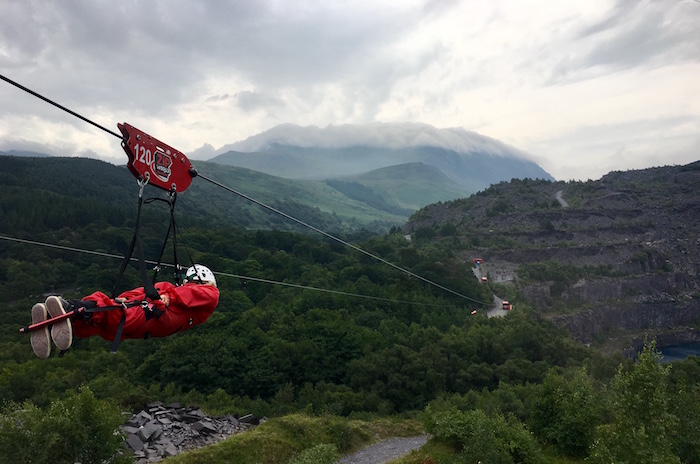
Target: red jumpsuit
(190,304)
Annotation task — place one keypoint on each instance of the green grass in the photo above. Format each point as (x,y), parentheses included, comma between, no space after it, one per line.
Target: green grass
(280,439)
(434,452)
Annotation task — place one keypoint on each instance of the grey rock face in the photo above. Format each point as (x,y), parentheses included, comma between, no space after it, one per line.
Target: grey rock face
(160,431)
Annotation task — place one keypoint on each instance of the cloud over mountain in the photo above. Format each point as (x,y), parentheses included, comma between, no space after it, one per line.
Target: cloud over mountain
(379,135)
(470,160)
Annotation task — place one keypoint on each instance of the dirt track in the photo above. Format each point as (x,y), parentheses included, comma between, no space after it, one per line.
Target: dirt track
(385,451)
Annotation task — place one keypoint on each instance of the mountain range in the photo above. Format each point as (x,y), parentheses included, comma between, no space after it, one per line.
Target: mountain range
(468,161)
(387,171)
(376,174)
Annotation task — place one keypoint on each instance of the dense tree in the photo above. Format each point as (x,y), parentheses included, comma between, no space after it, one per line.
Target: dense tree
(79,428)
(483,438)
(642,427)
(566,412)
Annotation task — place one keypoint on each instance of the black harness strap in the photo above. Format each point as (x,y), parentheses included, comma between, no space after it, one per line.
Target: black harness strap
(172,227)
(179,269)
(118,335)
(136,243)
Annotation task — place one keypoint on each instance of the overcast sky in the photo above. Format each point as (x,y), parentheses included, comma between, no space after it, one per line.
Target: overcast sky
(584,87)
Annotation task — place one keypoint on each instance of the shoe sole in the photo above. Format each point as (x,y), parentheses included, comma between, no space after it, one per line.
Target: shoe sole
(39,338)
(62,331)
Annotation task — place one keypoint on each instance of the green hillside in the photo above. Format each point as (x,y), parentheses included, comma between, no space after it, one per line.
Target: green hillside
(410,185)
(317,202)
(38,187)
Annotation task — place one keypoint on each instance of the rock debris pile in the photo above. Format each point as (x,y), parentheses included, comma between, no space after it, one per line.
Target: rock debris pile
(159,431)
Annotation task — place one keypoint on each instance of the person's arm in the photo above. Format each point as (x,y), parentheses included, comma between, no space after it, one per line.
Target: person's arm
(195,297)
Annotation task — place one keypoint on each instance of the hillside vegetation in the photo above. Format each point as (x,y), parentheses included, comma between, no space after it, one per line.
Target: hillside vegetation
(356,340)
(45,186)
(411,185)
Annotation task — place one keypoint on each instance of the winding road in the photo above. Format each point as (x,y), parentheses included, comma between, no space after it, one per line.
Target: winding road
(497,309)
(561,201)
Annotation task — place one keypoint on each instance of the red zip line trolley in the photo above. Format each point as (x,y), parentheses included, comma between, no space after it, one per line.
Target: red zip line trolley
(155,162)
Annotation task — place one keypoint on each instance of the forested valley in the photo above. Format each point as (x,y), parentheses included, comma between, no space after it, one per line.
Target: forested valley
(350,337)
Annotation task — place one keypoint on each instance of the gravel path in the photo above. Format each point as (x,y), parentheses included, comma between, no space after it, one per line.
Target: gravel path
(561,201)
(385,451)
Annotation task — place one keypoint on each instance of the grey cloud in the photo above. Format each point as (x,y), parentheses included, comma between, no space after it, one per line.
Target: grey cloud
(251,101)
(595,136)
(217,98)
(647,33)
(151,56)
(389,135)
(439,6)
(604,147)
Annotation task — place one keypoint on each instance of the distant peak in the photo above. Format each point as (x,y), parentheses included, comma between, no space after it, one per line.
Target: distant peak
(382,135)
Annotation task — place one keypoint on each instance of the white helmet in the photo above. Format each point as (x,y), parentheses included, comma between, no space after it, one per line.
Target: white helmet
(199,274)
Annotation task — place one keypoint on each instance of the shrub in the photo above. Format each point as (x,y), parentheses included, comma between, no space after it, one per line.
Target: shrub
(80,428)
(319,454)
(492,439)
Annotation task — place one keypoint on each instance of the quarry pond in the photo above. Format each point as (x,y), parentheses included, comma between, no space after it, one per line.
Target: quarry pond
(680,352)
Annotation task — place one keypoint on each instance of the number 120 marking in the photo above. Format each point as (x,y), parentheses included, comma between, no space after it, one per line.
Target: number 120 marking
(145,156)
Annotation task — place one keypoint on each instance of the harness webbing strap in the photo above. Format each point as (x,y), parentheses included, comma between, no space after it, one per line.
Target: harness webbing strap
(148,285)
(172,227)
(136,243)
(118,335)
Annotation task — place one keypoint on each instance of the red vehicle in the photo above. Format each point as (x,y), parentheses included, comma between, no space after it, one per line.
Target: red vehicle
(506,306)
(484,279)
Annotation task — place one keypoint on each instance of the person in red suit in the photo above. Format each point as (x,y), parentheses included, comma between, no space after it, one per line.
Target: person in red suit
(178,309)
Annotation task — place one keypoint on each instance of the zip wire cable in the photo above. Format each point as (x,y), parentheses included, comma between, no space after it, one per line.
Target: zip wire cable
(60,106)
(326,234)
(237,276)
(270,208)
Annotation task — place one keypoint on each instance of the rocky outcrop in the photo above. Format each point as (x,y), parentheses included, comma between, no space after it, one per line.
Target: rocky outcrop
(585,326)
(647,287)
(159,431)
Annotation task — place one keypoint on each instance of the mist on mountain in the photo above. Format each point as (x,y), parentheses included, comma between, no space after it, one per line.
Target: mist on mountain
(470,160)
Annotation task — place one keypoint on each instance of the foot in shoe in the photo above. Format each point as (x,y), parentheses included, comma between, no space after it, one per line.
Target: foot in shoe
(62,331)
(39,338)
